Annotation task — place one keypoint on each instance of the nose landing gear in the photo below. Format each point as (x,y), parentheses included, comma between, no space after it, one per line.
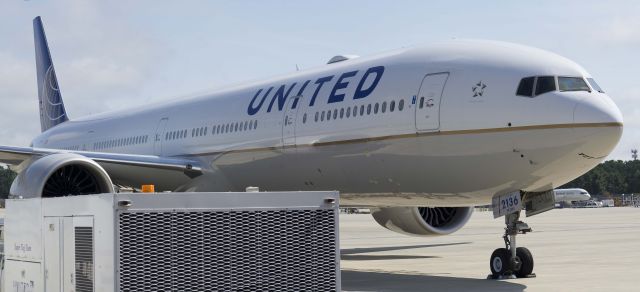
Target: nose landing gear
(512,262)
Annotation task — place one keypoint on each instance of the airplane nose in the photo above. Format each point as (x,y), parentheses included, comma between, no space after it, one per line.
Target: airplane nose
(597,125)
(598,109)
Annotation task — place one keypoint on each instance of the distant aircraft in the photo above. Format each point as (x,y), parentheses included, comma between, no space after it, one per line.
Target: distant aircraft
(571,195)
(419,135)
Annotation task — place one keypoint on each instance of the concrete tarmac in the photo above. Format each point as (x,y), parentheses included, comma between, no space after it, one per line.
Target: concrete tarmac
(573,249)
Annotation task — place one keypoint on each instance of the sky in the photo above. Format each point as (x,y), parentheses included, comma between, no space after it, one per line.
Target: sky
(112,55)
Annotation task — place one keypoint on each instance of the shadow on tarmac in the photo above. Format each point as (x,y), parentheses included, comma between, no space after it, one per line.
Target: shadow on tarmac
(352,251)
(380,281)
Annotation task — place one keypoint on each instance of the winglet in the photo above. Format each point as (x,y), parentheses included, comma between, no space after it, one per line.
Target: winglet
(52,111)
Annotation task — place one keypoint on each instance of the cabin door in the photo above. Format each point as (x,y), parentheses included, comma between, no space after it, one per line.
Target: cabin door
(428,102)
(290,120)
(159,136)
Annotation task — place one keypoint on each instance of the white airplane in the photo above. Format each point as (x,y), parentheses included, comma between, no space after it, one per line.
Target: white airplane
(571,195)
(421,135)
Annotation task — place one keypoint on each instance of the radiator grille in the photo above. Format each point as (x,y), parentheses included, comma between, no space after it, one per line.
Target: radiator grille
(84,259)
(270,250)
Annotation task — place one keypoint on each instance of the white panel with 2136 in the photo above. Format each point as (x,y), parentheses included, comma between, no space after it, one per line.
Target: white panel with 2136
(505,204)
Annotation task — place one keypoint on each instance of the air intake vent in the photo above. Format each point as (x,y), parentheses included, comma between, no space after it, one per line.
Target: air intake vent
(84,259)
(265,250)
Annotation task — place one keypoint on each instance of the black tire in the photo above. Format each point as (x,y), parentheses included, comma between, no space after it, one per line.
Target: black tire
(526,258)
(499,262)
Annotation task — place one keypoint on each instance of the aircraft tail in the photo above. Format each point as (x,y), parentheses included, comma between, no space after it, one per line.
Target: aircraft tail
(52,111)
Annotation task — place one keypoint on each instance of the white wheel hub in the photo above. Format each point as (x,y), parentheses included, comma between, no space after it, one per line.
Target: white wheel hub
(497,264)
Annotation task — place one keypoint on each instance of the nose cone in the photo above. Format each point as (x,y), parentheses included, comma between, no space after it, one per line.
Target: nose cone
(598,125)
(598,109)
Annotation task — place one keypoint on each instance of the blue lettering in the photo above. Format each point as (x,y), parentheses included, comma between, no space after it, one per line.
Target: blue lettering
(253,110)
(362,93)
(320,82)
(295,102)
(340,85)
(281,97)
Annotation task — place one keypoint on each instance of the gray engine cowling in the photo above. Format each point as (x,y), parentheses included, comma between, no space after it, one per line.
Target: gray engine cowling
(422,221)
(59,175)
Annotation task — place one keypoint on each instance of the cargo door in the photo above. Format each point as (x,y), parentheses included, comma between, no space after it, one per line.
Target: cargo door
(53,254)
(428,101)
(160,130)
(290,121)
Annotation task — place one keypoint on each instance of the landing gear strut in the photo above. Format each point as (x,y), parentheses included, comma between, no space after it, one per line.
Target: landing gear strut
(512,261)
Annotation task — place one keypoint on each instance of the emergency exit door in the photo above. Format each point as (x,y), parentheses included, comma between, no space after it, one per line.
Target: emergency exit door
(428,101)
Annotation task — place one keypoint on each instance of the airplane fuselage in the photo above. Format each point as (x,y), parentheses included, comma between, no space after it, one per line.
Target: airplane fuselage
(440,125)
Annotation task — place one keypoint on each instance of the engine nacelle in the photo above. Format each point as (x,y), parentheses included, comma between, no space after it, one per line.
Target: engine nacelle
(59,175)
(422,221)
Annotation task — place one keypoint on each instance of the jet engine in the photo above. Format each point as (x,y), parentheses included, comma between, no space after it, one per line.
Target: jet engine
(59,175)
(422,221)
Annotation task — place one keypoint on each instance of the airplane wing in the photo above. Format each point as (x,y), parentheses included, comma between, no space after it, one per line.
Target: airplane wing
(117,165)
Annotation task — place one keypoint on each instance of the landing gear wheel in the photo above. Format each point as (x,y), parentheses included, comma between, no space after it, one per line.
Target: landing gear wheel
(526,260)
(499,262)
(512,261)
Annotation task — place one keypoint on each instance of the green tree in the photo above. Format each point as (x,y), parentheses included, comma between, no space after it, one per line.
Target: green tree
(610,177)
(6,178)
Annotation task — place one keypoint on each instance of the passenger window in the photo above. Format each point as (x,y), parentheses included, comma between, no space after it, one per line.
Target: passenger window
(304,118)
(335,114)
(206,129)
(545,84)
(573,84)
(255,124)
(355,110)
(525,88)
(322,118)
(392,106)
(401,105)
(362,110)
(341,113)
(368,109)
(316,119)
(384,107)
(348,112)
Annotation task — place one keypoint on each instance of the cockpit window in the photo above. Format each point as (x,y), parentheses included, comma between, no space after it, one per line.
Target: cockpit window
(545,84)
(573,84)
(526,87)
(595,85)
